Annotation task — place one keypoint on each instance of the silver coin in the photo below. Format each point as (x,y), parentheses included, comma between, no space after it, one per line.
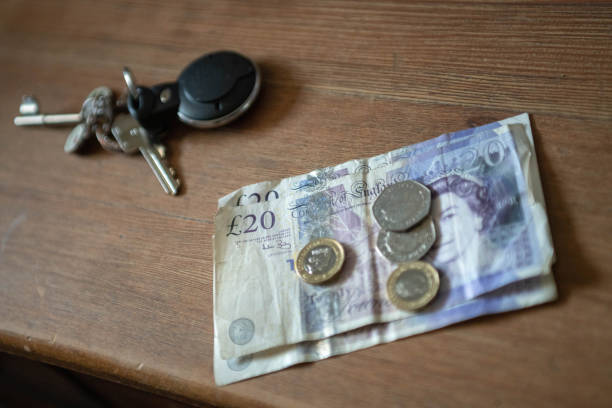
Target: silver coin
(77,137)
(407,246)
(402,205)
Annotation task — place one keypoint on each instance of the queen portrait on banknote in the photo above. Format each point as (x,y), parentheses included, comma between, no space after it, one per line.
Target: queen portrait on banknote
(463,211)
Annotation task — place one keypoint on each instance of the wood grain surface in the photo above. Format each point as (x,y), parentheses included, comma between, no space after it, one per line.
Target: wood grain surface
(102,273)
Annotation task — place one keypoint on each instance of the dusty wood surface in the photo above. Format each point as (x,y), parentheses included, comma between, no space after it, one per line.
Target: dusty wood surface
(102,273)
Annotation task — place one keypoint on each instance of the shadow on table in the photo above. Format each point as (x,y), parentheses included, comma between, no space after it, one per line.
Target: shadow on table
(27,383)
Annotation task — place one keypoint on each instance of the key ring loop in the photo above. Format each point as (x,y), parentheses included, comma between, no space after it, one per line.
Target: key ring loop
(130,82)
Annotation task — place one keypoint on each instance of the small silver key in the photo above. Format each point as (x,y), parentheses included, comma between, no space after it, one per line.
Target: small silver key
(131,137)
(94,119)
(30,106)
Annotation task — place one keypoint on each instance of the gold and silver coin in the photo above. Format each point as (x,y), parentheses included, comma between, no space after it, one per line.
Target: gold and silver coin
(320,260)
(407,246)
(413,285)
(402,205)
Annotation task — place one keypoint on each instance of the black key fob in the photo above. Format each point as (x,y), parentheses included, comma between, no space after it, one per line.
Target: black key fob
(217,88)
(210,92)
(155,108)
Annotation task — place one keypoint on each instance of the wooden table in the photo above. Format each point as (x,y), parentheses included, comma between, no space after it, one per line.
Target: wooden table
(102,273)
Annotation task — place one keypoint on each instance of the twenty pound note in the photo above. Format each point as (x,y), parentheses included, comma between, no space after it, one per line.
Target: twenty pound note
(490,221)
(520,295)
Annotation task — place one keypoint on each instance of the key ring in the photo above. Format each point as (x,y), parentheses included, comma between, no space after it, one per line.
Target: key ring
(130,81)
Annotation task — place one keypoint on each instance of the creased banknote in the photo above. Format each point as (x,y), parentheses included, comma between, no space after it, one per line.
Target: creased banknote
(519,295)
(490,218)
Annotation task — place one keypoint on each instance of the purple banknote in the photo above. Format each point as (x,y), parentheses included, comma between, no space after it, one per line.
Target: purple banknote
(490,221)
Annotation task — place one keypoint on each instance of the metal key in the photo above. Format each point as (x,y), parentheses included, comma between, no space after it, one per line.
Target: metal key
(55,119)
(94,119)
(29,119)
(132,137)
